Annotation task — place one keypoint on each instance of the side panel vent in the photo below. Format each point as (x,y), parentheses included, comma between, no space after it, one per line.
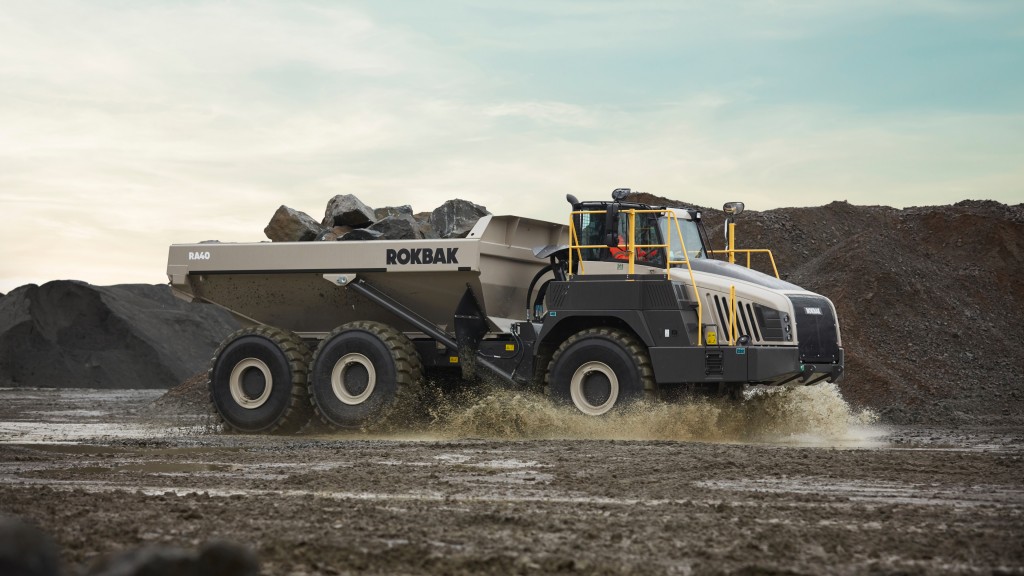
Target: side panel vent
(659,296)
(557,295)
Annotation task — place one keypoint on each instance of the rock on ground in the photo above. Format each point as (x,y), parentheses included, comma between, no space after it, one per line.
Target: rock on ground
(213,559)
(71,334)
(25,550)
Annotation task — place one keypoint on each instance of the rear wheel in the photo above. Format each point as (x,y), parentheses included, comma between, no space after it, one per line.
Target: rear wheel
(357,372)
(256,381)
(599,370)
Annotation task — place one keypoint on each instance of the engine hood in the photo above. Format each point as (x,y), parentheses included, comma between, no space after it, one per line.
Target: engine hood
(743,273)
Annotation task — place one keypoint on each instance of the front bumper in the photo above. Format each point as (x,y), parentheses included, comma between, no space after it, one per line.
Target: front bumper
(774,365)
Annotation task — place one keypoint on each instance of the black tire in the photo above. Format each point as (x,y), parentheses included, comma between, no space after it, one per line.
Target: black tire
(257,381)
(599,370)
(357,372)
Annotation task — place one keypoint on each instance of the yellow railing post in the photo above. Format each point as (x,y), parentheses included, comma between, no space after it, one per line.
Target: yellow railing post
(732,243)
(732,315)
(576,250)
(631,243)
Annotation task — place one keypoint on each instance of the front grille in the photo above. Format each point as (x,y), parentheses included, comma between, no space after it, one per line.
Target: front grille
(816,330)
(759,323)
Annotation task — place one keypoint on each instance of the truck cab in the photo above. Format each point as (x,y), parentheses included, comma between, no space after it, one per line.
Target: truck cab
(645,306)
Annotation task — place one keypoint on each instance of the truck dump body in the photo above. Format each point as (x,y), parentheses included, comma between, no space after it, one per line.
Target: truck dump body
(300,286)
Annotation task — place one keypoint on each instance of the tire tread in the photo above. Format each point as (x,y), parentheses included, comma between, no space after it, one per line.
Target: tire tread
(296,415)
(624,339)
(408,364)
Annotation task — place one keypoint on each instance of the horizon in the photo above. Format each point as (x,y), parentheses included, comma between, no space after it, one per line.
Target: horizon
(128,128)
(4,292)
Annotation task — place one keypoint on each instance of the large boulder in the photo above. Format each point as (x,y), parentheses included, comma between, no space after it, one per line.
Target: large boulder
(288,225)
(382,213)
(455,218)
(75,335)
(362,234)
(347,210)
(423,221)
(335,233)
(399,227)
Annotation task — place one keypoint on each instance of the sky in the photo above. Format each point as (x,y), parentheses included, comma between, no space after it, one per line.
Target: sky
(130,125)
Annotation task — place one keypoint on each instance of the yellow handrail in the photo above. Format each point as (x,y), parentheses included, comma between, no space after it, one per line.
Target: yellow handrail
(732,315)
(748,252)
(632,246)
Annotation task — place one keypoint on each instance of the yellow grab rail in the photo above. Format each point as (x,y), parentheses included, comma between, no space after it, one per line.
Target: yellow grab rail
(748,252)
(632,246)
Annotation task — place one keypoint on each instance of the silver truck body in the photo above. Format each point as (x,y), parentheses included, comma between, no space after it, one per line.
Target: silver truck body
(300,286)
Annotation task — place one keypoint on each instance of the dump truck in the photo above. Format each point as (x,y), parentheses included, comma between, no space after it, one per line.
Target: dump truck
(625,301)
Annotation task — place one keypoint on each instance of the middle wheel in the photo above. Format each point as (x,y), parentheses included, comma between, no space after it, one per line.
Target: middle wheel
(358,370)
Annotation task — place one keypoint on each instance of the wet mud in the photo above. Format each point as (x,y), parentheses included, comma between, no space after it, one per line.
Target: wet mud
(793,482)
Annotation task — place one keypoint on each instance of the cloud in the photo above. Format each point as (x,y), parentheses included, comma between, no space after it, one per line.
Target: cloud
(127,127)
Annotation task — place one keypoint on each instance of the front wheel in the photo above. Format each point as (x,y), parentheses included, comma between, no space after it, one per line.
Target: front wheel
(599,370)
(257,378)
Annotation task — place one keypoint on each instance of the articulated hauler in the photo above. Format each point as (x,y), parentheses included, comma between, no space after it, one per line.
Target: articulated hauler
(626,301)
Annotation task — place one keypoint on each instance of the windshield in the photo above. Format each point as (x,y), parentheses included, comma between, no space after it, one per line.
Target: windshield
(691,237)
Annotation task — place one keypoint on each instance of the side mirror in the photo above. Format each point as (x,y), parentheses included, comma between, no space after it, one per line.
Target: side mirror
(733,208)
(611,225)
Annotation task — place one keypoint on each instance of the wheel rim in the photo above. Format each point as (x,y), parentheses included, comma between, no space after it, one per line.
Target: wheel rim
(353,378)
(250,383)
(594,388)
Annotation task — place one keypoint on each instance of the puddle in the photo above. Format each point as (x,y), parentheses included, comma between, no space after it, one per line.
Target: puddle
(35,432)
(160,468)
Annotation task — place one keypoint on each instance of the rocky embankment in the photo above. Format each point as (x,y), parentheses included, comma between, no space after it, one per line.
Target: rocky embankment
(930,300)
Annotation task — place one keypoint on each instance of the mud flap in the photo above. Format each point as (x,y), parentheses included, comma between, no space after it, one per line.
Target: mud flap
(470,328)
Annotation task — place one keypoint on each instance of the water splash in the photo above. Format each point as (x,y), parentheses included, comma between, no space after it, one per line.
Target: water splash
(803,415)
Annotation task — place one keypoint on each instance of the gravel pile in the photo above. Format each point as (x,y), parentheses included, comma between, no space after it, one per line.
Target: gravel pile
(69,334)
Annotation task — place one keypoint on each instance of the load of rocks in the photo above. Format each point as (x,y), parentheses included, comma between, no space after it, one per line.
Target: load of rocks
(348,218)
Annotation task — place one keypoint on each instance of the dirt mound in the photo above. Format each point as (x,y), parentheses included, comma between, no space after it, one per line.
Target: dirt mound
(930,299)
(74,335)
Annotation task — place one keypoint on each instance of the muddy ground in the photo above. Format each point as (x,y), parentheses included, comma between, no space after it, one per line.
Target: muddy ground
(795,483)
